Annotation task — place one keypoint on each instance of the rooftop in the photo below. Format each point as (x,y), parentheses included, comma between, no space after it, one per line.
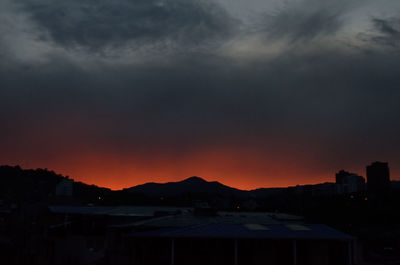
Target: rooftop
(246,231)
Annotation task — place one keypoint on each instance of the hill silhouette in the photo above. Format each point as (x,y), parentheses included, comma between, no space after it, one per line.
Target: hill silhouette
(33,185)
(189,185)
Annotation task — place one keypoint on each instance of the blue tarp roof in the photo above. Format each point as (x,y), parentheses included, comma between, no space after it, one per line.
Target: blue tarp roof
(239,231)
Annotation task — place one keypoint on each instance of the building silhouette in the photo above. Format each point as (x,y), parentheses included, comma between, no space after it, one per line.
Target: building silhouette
(65,187)
(378,179)
(349,182)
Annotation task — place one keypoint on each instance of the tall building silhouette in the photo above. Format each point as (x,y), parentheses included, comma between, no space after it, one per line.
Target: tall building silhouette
(378,180)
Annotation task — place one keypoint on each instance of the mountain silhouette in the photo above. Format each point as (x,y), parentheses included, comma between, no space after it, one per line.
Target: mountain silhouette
(189,185)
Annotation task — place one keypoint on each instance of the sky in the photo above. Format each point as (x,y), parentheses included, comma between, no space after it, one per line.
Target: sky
(251,93)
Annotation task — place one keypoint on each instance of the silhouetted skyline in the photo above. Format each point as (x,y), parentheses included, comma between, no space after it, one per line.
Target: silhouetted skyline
(378,173)
(61,220)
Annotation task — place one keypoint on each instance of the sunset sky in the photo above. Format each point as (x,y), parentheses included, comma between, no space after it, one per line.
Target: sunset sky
(251,93)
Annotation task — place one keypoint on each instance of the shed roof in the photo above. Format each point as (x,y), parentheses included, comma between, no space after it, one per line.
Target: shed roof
(248,231)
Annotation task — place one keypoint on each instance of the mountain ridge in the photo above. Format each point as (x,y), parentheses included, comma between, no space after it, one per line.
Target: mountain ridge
(192,184)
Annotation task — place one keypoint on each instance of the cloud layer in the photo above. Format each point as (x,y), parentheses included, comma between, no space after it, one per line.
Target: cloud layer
(297,91)
(97,24)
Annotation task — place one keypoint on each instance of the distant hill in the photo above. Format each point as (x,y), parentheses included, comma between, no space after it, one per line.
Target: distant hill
(199,185)
(189,185)
(265,192)
(39,184)
(33,185)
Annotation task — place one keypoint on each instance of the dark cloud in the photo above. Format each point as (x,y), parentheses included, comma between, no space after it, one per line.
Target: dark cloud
(387,32)
(99,24)
(305,20)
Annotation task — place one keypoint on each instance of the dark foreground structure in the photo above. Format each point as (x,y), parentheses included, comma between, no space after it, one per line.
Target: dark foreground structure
(64,235)
(246,244)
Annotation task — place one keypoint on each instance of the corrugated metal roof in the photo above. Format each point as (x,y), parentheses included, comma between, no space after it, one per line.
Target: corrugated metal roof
(221,217)
(239,231)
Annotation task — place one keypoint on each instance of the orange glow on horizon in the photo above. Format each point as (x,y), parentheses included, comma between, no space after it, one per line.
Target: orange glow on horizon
(234,181)
(244,169)
(238,171)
